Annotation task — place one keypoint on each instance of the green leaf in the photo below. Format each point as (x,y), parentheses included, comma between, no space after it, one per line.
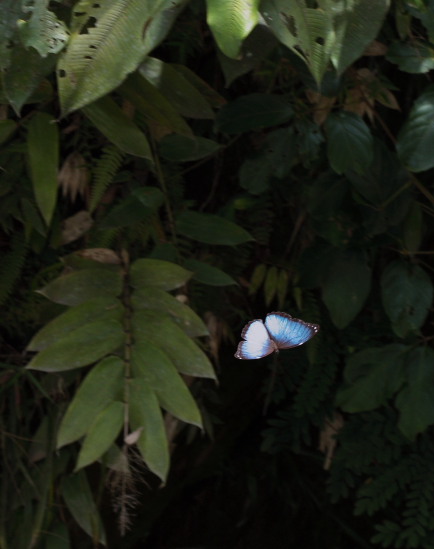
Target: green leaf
(349,142)
(211,229)
(112,122)
(140,205)
(270,285)
(158,300)
(164,333)
(415,57)
(180,148)
(416,401)
(7,128)
(108,41)
(43,148)
(255,175)
(252,112)
(80,286)
(416,138)
(102,433)
(102,385)
(372,376)
(78,498)
(81,347)
(413,228)
(95,309)
(231,21)
(175,87)
(207,274)
(145,414)
(158,273)
(346,287)
(156,369)
(407,294)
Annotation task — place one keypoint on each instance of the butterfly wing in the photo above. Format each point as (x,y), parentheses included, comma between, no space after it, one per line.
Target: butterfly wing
(257,342)
(289,332)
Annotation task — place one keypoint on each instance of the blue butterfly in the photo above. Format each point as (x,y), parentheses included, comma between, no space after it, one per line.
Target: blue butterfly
(280,331)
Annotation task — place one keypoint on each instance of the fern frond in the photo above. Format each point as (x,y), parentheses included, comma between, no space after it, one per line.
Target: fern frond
(11,265)
(104,173)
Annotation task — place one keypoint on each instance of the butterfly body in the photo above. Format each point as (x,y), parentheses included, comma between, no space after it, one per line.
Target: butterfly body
(280,331)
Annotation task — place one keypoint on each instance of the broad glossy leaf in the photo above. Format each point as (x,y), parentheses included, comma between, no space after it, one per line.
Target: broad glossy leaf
(207,274)
(346,287)
(407,293)
(157,273)
(43,30)
(416,139)
(80,286)
(211,229)
(78,498)
(414,57)
(112,122)
(231,21)
(154,366)
(102,385)
(372,376)
(163,333)
(145,414)
(76,317)
(103,431)
(349,142)
(252,112)
(108,41)
(43,148)
(180,148)
(416,401)
(158,300)
(81,347)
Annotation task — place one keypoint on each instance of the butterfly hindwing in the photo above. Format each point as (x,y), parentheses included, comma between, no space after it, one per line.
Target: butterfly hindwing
(257,342)
(289,332)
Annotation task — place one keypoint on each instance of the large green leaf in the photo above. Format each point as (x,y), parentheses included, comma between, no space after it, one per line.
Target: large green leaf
(407,293)
(349,142)
(252,112)
(346,287)
(76,317)
(208,274)
(102,385)
(78,498)
(158,273)
(372,376)
(416,401)
(231,21)
(416,139)
(164,333)
(43,148)
(139,206)
(109,40)
(81,347)
(102,432)
(414,57)
(145,414)
(154,366)
(112,122)
(152,298)
(211,229)
(180,148)
(80,286)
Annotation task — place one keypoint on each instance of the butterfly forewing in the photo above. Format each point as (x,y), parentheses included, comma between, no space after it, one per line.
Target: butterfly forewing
(289,332)
(257,342)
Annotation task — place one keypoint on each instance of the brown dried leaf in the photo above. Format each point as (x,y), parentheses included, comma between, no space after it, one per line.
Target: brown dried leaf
(323,106)
(76,226)
(73,176)
(102,255)
(327,438)
(375,48)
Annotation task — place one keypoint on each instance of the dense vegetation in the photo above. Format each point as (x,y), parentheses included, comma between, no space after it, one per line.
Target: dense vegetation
(171,170)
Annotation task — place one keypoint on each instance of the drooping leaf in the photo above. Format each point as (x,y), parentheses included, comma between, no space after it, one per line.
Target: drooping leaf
(416,139)
(145,414)
(80,286)
(252,112)
(208,274)
(211,229)
(102,385)
(349,142)
(231,21)
(112,122)
(414,57)
(154,366)
(180,148)
(157,273)
(81,347)
(43,147)
(407,294)
(346,287)
(103,430)
(78,498)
